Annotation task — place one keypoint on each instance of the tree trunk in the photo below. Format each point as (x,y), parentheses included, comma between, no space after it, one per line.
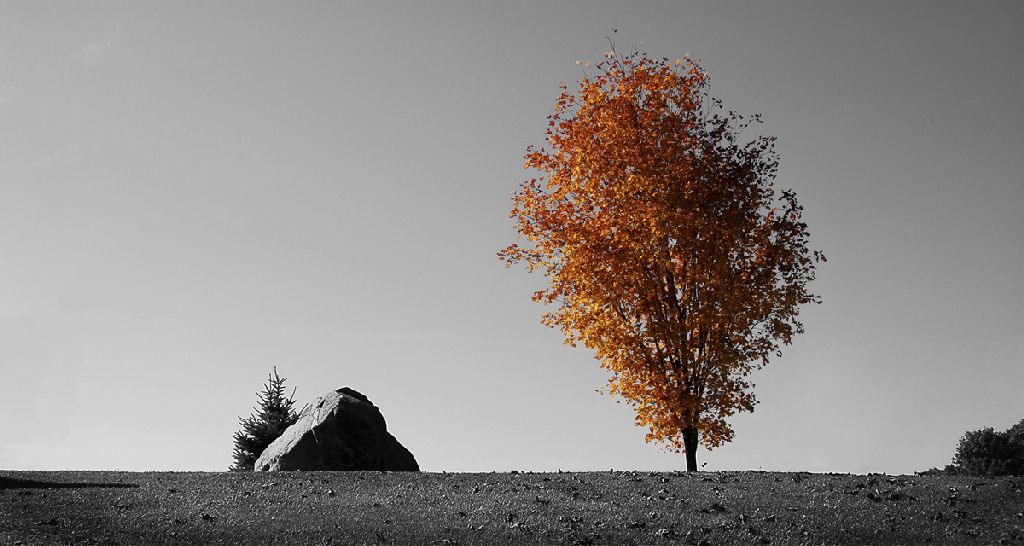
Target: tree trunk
(690,446)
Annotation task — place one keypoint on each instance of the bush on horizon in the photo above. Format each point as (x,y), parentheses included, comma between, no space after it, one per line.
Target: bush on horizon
(986,452)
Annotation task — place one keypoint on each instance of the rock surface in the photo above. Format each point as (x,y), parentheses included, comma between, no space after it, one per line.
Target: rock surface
(341,430)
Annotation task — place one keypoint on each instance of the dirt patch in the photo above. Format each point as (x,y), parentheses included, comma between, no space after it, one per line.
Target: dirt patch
(507,508)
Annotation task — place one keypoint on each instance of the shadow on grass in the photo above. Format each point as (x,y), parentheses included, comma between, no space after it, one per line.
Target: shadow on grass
(18,483)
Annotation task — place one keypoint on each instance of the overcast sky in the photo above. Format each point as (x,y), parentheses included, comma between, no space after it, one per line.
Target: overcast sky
(194,192)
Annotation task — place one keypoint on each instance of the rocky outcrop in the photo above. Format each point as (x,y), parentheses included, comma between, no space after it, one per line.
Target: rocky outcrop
(341,430)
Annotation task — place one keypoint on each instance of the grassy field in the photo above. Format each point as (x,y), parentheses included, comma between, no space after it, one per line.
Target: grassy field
(611,507)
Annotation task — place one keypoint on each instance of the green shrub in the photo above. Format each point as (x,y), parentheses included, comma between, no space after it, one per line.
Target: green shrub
(274,413)
(949,470)
(1016,433)
(986,452)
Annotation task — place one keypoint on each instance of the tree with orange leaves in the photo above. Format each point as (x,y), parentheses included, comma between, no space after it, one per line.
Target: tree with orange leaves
(668,251)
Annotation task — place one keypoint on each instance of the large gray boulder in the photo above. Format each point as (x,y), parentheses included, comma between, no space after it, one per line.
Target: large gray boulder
(341,430)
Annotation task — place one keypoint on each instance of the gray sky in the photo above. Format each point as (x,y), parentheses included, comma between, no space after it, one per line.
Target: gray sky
(191,193)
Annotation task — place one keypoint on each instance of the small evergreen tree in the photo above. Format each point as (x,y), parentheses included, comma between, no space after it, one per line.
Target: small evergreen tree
(274,413)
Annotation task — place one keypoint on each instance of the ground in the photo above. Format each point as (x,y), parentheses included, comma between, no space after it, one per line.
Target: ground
(612,507)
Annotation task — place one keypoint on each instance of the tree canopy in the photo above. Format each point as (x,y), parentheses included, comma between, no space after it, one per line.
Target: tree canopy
(987,452)
(667,248)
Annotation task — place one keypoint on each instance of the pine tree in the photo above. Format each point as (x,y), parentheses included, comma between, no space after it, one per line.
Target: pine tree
(274,413)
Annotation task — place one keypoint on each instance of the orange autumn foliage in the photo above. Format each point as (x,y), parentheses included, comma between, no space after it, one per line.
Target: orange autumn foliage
(667,249)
